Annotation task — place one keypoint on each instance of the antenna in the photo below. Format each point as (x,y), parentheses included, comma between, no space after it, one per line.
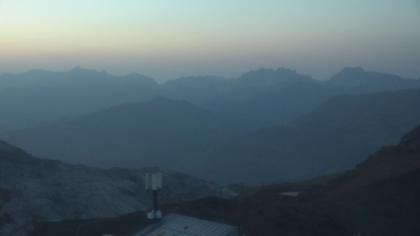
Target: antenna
(153,183)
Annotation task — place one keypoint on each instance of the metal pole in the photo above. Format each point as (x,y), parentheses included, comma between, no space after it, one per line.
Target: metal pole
(155,201)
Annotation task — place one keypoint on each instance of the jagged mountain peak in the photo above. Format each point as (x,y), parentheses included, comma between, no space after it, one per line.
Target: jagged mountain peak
(272,74)
(359,73)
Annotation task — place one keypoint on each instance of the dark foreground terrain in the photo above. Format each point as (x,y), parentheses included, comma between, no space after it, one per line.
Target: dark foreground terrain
(378,197)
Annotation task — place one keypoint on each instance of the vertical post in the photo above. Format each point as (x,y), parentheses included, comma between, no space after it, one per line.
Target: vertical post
(155,201)
(153,184)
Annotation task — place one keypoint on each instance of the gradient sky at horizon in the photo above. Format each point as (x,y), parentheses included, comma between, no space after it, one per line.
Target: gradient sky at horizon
(171,38)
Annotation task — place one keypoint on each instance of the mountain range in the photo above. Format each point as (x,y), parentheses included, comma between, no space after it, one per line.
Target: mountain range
(262,97)
(206,126)
(358,80)
(40,97)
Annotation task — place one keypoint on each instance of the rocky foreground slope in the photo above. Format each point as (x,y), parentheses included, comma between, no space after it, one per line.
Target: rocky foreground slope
(33,190)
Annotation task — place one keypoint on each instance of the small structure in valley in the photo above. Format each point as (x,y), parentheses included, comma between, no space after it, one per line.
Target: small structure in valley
(290,194)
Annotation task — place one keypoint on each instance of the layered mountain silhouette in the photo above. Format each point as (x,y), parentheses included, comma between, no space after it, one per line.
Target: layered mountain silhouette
(278,124)
(33,189)
(358,80)
(42,97)
(262,97)
(337,135)
(172,133)
(161,132)
(258,98)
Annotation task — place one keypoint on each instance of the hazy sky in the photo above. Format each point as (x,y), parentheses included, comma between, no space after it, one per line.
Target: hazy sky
(169,38)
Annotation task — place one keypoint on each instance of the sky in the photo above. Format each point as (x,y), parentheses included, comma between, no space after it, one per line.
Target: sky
(171,38)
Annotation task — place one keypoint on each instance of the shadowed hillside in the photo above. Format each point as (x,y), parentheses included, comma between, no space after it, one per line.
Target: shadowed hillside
(161,132)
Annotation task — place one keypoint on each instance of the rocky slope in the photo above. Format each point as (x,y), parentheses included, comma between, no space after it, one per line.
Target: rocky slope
(33,189)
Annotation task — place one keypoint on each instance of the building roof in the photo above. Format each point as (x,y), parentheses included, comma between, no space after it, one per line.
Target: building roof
(179,225)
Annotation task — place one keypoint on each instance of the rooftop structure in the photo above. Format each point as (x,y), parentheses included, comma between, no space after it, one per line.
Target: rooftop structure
(179,225)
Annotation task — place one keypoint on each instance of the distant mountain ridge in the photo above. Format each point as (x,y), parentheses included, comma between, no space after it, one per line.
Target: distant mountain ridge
(273,76)
(356,79)
(266,96)
(76,74)
(260,98)
(277,96)
(43,97)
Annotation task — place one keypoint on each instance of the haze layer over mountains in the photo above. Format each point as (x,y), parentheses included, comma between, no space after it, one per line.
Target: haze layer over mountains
(265,126)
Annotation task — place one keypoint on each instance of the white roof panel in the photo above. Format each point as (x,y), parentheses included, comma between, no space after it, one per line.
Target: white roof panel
(178,225)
